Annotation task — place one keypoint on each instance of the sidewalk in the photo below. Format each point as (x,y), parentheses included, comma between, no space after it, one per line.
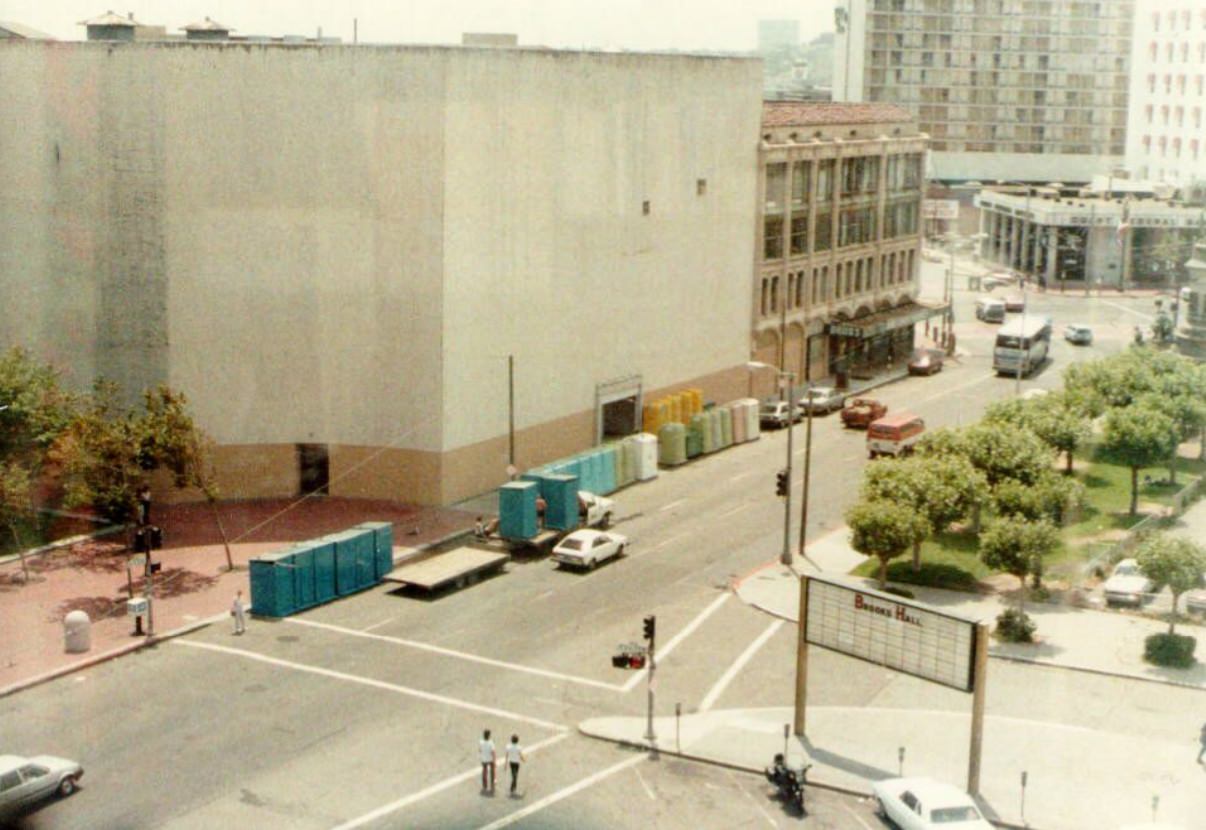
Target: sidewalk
(194,587)
(1115,775)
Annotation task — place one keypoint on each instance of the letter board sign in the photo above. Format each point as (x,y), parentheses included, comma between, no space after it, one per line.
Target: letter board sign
(907,636)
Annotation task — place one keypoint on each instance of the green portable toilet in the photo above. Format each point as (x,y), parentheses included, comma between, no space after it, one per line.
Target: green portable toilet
(672,445)
(383,546)
(272,591)
(302,560)
(726,426)
(324,569)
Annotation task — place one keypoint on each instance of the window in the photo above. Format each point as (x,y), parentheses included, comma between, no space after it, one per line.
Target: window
(799,234)
(772,237)
(776,180)
(701,187)
(799,184)
(1147,113)
(825,180)
(823,238)
(764,306)
(774,295)
(9,781)
(645,208)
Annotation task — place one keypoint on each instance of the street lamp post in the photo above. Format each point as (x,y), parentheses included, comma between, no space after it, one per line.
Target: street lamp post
(787,382)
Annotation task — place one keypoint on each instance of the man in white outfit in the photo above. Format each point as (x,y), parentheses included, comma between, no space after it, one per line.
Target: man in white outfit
(239,613)
(485,748)
(514,758)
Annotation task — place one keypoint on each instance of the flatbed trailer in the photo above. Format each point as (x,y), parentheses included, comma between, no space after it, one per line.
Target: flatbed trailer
(459,566)
(542,543)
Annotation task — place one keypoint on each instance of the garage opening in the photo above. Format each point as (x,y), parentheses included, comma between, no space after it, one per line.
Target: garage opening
(618,410)
(314,469)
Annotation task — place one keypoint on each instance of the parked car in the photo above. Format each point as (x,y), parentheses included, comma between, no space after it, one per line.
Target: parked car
(1078,334)
(926,361)
(997,279)
(26,781)
(990,310)
(595,511)
(1015,302)
(923,804)
(1195,601)
(587,548)
(778,413)
(822,399)
(1127,585)
(860,412)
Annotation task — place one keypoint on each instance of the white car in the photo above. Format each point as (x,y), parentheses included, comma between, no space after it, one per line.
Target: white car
(1127,585)
(822,399)
(587,548)
(923,803)
(595,511)
(1078,334)
(778,414)
(26,781)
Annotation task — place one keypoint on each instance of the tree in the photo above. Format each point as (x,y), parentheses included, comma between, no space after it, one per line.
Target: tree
(939,489)
(1017,546)
(1056,419)
(884,530)
(1050,497)
(1002,451)
(1137,437)
(1174,561)
(107,451)
(16,505)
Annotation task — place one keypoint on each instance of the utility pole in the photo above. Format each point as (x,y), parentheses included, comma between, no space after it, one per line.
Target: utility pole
(807,444)
(511,411)
(650,636)
(790,379)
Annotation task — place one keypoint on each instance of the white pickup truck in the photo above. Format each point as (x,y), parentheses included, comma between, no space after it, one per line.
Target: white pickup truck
(595,511)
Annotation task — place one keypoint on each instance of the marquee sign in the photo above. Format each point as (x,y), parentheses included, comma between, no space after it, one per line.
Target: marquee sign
(900,634)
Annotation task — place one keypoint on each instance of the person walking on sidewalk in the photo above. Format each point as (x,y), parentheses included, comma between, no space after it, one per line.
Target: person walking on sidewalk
(515,757)
(1202,741)
(239,613)
(485,748)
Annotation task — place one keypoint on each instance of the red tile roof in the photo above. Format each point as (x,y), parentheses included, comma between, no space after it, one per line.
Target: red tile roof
(813,113)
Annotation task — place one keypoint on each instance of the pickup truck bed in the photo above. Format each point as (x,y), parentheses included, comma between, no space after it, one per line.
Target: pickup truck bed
(462,566)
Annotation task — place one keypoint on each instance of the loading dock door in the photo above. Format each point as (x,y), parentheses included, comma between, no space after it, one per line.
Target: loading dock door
(618,408)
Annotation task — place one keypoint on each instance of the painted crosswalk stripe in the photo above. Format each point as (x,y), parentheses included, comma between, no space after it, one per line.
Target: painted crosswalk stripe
(460,655)
(718,689)
(678,638)
(565,793)
(368,681)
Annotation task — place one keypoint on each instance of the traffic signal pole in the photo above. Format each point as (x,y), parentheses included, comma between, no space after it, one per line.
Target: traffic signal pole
(650,635)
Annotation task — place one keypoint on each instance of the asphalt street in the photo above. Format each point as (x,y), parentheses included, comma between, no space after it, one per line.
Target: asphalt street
(366,712)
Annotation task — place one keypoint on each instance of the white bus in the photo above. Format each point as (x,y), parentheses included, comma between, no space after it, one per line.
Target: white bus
(1022,342)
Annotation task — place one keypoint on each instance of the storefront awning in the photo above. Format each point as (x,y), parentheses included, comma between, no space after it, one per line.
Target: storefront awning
(884,321)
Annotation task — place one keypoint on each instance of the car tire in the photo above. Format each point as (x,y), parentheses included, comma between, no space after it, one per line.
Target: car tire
(591,563)
(605,522)
(619,551)
(67,786)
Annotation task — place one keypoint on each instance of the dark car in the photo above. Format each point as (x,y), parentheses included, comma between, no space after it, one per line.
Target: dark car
(860,412)
(926,362)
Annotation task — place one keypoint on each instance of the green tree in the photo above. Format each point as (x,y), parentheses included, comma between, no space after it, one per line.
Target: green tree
(1003,451)
(1174,561)
(16,505)
(1049,497)
(1138,437)
(1017,546)
(885,530)
(1056,419)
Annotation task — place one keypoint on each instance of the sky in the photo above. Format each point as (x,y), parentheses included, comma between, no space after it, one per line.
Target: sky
(729,25)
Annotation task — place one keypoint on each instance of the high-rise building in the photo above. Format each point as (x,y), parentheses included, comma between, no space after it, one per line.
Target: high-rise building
(1006,89)
(1166,130)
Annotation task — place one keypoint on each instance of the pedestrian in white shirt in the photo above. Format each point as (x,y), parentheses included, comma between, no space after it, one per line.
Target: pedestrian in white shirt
(239,613)
(515,756)
(485,748)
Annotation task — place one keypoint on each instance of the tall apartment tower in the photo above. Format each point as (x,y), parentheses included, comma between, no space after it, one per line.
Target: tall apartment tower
(1166,131)
(1006,89)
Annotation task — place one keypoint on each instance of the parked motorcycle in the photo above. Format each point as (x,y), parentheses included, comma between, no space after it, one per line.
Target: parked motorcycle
(788,782)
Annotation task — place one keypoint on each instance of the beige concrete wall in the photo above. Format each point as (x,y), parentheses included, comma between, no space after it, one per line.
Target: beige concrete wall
(548,255)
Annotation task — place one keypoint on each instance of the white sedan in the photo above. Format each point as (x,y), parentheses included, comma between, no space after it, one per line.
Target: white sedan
(587,548)
(924,804)
(1127,585)
(26,781)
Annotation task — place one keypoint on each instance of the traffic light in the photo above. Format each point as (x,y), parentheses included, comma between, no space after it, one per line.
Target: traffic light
(781,483)
(650,627)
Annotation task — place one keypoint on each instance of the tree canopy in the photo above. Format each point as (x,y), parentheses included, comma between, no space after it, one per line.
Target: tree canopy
(1017,546)
(885,530)
(1174,561)
(1137,437)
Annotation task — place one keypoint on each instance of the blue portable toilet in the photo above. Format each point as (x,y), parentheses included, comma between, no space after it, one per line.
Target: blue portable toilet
(383,546)
(561,495)
(324,569)
(347,572)
(272,592)
(517,509)
(607,469)
(302,560)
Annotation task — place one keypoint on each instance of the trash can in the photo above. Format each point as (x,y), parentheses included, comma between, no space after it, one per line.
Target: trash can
(77,632)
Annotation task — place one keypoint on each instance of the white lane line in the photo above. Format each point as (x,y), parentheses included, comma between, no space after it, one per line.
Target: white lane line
(670,506)
(856,816)
(460,655)
(379,624)
(731,511)
(648,791)
(377,684)
(1128,310)
(437,787)
(665,650)
(725,679)
(769,819)
(665,542)
(565,793)
(959,388)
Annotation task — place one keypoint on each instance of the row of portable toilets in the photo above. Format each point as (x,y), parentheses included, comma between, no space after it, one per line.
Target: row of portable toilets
(605,469)
(671,409)
(713,429)
(320,570)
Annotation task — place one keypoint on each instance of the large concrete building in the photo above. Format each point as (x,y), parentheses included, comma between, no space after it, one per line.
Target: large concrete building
(1006,89)
(333,250)
(838,251)
(1166,130)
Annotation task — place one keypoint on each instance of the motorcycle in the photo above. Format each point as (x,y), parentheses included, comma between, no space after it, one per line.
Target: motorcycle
(789,783)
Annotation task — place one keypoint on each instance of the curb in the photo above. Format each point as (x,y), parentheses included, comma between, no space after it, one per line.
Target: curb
(716,762)
(1099,672)
(61,543)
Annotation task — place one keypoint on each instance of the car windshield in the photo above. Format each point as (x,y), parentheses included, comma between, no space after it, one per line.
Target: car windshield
(571,544)
(819,394)
(1126,569)
(949,815)
(770,408)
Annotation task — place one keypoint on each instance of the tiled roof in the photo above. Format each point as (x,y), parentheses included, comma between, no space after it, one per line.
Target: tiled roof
(814,113)
(110,19)
(23,31)
(206,25)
